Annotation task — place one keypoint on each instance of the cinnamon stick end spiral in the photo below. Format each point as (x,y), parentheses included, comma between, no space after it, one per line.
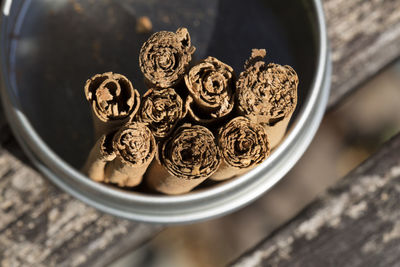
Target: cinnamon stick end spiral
(267,93)
(112,96)
(161,110)
(191,153)
(211,87)
(165,57)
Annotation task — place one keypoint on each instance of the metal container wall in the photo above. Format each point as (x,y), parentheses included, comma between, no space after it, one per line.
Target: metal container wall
(49,48)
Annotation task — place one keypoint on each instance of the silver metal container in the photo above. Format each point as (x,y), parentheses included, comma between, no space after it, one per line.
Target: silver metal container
(49,49)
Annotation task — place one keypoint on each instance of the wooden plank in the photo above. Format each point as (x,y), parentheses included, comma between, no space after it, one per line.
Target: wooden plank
(39,225)
(356,223)
(42,226)
(364,37)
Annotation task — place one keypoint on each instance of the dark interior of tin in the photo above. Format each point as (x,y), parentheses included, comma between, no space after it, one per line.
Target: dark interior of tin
(56,45)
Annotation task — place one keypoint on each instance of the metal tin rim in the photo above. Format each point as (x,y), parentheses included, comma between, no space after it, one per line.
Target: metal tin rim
(194,206)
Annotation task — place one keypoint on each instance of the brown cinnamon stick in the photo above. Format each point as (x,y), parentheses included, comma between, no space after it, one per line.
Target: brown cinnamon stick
(243,145)
(165,57)
(211,87)
(161,109)
(113,99)
(135,147)
(101,153)
(186,159)
(267,94)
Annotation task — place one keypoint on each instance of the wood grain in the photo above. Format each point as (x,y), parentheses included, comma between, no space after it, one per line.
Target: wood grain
(356,223)
(364,38)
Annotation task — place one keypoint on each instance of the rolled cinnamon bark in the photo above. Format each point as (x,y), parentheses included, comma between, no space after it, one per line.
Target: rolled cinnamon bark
(267,94)
(161,110)
(101,153)
(186,159)
(211,87)
(113,99)
(165,57)
(243,145)
(135,147)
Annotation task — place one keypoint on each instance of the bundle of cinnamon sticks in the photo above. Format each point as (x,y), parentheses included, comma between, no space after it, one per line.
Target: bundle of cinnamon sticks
(196,121)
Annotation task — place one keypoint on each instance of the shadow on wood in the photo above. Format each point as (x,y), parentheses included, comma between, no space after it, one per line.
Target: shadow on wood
(356,223)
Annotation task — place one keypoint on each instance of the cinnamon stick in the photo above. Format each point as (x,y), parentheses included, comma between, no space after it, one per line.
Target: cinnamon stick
(101,153)
(185,160)
(211,87)
(161,109)
(135,147)
(165,57)
(267,94)
(113,99)
(243,145)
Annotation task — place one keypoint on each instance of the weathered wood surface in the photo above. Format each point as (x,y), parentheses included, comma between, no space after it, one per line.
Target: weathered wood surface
(39,225)
(364,37)
(356,223)
(42,226)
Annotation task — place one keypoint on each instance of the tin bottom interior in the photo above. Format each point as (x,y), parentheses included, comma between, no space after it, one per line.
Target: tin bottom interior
(57,45)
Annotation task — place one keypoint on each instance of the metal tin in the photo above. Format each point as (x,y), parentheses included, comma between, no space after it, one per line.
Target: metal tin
(198,205)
